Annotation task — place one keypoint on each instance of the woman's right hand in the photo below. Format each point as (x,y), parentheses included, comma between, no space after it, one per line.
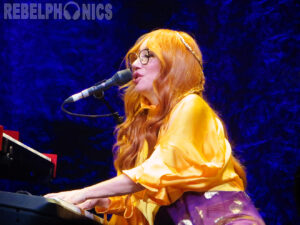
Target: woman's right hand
(75,196)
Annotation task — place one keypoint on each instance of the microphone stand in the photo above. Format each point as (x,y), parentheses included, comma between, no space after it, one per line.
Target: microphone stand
(100,96)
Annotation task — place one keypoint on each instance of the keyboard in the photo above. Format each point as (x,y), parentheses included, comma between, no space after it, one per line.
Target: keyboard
(16,208)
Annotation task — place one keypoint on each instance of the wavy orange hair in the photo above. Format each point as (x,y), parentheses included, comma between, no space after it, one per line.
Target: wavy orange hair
(180,73)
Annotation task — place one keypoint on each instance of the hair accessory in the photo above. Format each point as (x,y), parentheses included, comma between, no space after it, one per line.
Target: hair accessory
(189,48)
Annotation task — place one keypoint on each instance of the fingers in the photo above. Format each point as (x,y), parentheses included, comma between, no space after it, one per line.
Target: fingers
(88,204)
(60,195)
(51,195)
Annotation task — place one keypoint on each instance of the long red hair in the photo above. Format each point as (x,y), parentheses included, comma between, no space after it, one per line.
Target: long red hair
(181,73)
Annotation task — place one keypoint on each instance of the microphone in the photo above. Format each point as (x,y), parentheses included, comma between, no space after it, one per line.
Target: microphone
(119,78)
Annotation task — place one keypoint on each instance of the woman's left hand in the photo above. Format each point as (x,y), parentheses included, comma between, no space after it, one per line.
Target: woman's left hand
(91,203)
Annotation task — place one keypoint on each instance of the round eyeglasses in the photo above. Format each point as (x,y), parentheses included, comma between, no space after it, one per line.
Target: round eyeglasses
(144,56)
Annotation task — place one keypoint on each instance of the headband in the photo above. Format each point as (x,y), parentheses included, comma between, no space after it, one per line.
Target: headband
(189,48)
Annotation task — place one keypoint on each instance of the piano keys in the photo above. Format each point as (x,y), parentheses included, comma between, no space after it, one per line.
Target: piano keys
(24,209)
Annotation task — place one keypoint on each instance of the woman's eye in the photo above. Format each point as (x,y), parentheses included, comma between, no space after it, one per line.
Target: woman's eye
(149,56)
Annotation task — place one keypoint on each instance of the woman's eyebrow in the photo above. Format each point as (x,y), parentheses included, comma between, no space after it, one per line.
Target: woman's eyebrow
(144,49)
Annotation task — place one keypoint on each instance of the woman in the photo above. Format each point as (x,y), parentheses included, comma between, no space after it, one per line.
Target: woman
(172,150)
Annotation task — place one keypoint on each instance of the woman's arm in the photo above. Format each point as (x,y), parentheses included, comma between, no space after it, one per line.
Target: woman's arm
(120,185)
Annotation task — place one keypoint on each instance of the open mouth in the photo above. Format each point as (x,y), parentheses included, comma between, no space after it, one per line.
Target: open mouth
(136,77)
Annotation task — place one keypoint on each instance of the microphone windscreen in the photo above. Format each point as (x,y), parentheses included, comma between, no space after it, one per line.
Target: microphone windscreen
(123,76)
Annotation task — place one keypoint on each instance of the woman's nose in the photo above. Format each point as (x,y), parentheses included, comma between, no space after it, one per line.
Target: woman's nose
(136,64)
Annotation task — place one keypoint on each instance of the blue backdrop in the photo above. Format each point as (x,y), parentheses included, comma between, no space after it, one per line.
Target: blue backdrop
(251,54)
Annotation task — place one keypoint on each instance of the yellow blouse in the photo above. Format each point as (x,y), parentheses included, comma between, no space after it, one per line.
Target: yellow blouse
(191,154)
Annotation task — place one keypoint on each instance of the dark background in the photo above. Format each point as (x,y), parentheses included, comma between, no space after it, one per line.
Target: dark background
(251,54)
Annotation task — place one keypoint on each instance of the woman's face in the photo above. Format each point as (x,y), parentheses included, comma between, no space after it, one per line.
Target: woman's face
(144,75)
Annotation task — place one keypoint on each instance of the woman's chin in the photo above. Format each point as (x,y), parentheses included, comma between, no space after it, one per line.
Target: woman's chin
(139,88)
(143,91)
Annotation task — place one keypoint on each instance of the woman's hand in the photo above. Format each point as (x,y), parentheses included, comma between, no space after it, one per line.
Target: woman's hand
(91,203)
(75,197)
(97,194)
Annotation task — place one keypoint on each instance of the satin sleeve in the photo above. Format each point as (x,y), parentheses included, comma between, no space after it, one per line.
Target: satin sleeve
(117,205)
(190,155)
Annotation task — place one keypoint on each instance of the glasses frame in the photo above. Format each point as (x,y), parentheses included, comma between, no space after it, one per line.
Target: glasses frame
(144,59)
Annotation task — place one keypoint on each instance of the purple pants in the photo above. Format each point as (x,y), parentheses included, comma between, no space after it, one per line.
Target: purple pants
(210,208)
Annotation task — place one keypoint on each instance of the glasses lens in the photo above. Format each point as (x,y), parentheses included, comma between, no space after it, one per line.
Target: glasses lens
(131,58)
(144,56)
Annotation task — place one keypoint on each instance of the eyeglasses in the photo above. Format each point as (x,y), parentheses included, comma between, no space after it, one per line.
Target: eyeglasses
(143,56)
